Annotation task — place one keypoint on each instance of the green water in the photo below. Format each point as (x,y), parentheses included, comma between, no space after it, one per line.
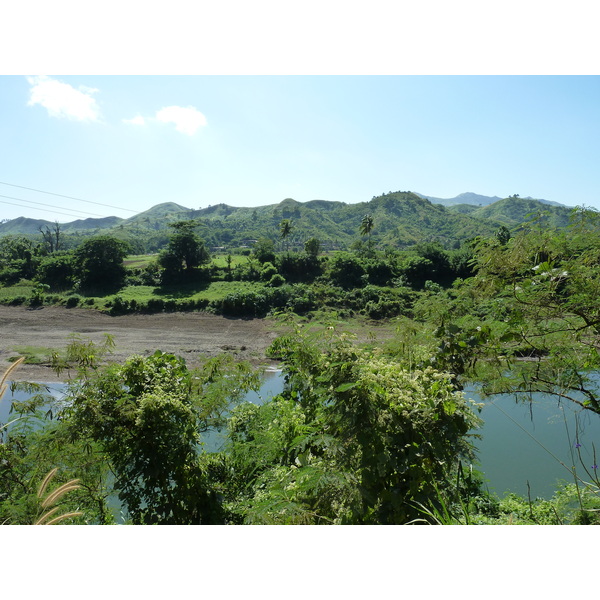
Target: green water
(535,443)
(521,445)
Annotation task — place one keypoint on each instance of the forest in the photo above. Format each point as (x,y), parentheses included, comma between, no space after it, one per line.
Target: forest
(363,432)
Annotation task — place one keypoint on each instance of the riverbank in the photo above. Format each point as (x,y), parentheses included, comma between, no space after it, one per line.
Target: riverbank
(192,335)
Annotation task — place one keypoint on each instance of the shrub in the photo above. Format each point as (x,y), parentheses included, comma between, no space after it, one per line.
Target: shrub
(10,275)
(72,301)
(276,280)
(353,439)
(57,270)
(155,305)
(299,266)
(267,271)
(347,271)
(119,306)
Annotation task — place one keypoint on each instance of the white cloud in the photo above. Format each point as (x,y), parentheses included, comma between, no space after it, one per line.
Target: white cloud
(186,119)
(62,100)
(138,120)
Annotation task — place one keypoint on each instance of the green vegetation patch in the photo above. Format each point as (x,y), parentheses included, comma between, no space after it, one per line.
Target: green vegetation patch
(20,289)
(216,290)
(222,260)
(139,261)
(34,355)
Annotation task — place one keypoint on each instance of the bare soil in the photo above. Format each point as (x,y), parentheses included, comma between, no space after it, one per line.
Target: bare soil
(192,335)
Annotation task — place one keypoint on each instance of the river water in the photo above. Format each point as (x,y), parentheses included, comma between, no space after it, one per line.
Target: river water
(525,448)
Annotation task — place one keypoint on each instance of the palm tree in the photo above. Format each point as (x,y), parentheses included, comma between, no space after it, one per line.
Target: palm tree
(366,226)
(285,228)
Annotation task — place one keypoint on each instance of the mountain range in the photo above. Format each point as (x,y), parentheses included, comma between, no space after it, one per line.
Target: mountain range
(401,219)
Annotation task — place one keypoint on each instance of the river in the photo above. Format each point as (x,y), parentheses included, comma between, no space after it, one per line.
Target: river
(521,448)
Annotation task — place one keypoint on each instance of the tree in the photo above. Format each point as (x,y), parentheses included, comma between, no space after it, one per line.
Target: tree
(57,271)
(147,417)
(347,271)
(285,228)
(99,262)
(416,270)
(536,298)
(366,226)
(184,253)
(503,235)
(52,238)
(441,271)
(312,246)
(264,250)
(17,258)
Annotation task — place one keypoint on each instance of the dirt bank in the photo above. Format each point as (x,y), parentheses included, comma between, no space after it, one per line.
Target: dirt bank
(190,335)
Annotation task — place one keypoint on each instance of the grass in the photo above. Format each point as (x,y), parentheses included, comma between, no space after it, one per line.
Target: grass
(139,261)
(33,355)
(220,260)
(196,291)
(23,288)
(215,290)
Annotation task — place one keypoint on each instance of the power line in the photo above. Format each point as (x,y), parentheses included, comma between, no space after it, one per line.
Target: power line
(63,196)
(83,212)
(46,210)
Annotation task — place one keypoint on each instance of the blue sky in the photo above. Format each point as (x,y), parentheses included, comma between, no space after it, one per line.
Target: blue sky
(126,143)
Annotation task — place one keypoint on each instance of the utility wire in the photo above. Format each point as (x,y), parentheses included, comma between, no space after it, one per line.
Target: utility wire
(45,210)
(63,196)
(52,205)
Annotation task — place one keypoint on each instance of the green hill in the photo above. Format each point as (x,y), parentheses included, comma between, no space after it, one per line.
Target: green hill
(463,209)
(516,211)
(26,226)
(401,219)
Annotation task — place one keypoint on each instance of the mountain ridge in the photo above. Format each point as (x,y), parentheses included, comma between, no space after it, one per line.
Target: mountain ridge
(402,219)
(479,200)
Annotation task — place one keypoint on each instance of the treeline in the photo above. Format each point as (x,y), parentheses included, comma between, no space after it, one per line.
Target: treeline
(378,284)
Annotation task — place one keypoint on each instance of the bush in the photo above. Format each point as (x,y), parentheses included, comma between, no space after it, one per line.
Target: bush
(155,305)
(57,270)
(119,306)
(379,272)
(299,267)
(267,271)
(72,301)
(353,439)
(276,280)
(10,275)
(244,304)
(347,271)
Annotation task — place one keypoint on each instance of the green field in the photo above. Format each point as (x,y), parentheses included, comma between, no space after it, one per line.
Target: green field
(215,290)
(24,288)
(139,261)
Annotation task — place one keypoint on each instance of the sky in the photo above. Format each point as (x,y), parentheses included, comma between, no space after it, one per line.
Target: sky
(118,145)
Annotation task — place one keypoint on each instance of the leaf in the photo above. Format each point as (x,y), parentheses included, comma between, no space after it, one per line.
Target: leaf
(345,387)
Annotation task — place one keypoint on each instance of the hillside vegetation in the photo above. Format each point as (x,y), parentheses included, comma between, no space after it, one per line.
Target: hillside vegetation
(403,218)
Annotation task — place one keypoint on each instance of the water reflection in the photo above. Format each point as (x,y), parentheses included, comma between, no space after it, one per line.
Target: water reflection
(527,442)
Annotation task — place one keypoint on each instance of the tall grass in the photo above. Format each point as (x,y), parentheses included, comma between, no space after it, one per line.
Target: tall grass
(49,508)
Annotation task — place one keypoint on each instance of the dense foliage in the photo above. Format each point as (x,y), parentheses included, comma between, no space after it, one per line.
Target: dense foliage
(355,438)
(361,434)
